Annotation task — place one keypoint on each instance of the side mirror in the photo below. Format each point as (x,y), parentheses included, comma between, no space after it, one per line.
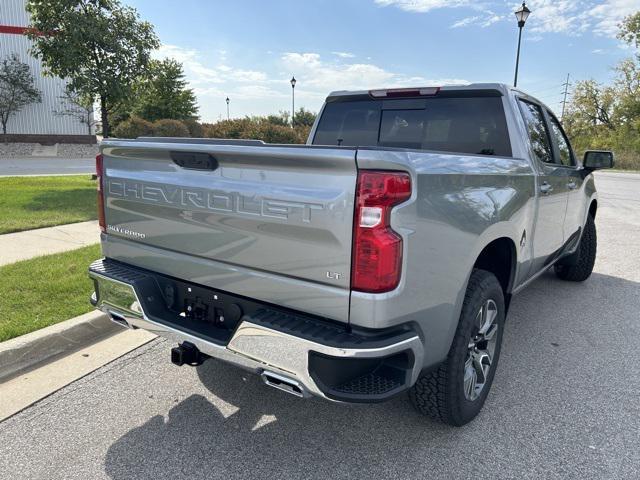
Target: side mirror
(597,159)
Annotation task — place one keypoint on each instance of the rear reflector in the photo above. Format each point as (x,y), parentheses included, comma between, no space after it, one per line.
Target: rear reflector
(99,174)
(377,249)
(404,92)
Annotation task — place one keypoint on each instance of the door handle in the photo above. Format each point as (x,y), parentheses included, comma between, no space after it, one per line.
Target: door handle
(572,185)
(546,188)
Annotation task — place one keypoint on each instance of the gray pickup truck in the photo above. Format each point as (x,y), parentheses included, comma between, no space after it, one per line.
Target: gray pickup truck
(380,257)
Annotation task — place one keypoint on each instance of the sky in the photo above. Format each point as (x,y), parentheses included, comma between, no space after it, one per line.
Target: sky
(248,50)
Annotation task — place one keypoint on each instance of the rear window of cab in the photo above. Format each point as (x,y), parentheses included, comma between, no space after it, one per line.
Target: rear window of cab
(467,124)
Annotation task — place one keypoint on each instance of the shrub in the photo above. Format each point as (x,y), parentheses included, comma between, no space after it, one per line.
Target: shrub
(194,127)
(256,128)
(235,128)
(170,128)
(134,127)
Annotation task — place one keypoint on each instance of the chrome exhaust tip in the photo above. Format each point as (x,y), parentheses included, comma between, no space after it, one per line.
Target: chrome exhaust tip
(283,383)
(119,319)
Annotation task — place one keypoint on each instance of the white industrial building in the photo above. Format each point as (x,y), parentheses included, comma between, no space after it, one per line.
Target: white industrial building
(37,122)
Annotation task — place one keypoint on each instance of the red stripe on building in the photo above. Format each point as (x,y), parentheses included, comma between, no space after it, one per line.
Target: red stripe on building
(10,29)
(13,30)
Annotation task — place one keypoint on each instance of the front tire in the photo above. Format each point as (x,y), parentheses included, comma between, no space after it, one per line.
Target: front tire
(455,392)
(585,256)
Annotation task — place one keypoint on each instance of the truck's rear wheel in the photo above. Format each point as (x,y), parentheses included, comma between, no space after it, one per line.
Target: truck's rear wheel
(455,391)
(581,267)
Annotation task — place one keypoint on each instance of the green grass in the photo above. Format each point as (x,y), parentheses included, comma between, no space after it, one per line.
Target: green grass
(46,290)
(35,202)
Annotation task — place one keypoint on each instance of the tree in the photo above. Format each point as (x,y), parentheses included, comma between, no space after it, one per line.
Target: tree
(101,46)
(283,118)
(163,93)
(630,30)
(305,118)
(594,103)
(79,107)
(17,89)
(608,116)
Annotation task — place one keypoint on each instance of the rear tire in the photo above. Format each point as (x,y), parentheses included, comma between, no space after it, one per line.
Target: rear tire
(455,392)
(586,256)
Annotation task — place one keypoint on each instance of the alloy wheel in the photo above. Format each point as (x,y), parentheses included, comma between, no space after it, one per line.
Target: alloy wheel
(481,349)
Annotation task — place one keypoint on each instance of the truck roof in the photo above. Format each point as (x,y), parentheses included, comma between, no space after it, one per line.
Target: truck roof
(502,87)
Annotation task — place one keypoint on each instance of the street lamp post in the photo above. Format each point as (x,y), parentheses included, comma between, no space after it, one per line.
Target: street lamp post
(293,101)
(521,14)
(228,118)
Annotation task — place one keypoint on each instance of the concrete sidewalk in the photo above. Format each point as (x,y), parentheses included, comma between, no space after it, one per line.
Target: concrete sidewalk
(44,241)
(46,165)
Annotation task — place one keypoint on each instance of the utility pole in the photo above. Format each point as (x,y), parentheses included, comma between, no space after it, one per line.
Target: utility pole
(564,100)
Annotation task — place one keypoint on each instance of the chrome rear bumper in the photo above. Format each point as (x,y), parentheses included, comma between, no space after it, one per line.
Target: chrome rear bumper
(252,346)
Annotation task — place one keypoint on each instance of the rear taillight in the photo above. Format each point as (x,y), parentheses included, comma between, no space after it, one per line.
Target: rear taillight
(99,174)
(377,249)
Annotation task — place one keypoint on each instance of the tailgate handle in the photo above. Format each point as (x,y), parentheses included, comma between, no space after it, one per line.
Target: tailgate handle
(194,160)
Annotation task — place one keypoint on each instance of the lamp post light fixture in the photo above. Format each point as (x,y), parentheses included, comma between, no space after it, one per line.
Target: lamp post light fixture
(521,14)
(293,100)
(228,118)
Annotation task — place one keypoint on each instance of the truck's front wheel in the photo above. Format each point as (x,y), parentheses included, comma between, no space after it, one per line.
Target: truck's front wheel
(581,266)
(455,391)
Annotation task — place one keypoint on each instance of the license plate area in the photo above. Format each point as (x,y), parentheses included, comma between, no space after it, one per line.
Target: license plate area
(199,310)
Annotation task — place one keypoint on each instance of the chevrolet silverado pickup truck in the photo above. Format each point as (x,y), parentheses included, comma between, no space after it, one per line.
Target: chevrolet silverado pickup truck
(381,257)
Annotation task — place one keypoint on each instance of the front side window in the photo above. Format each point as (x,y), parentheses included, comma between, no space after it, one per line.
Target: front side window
(566,157)
(537,130)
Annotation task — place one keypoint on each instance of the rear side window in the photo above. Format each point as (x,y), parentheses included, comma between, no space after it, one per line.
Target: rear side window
(537,131)
(349,124)
(471,125)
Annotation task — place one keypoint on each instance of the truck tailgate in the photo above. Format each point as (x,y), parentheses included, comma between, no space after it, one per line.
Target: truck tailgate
(281,211)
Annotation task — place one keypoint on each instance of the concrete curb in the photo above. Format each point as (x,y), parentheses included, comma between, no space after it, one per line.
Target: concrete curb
(28,351)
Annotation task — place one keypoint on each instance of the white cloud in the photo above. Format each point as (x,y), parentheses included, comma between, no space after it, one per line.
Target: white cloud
(570,17)
(607,16)
(493,18)
(465,22)
(201,75)
(557,16)
(317,77)
(344,54)
(576,17)
(423,5)
(479,20)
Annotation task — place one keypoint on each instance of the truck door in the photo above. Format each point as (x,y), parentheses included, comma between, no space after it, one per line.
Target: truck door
(548,236)
(574,217)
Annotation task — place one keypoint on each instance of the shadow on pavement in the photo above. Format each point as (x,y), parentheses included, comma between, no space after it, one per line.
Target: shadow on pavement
(269,434)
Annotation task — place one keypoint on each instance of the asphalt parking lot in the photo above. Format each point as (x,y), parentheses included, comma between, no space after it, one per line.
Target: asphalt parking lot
(565,402)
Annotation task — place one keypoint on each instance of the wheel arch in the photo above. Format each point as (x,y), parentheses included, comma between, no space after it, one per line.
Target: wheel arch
(593,208)
(500,258)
